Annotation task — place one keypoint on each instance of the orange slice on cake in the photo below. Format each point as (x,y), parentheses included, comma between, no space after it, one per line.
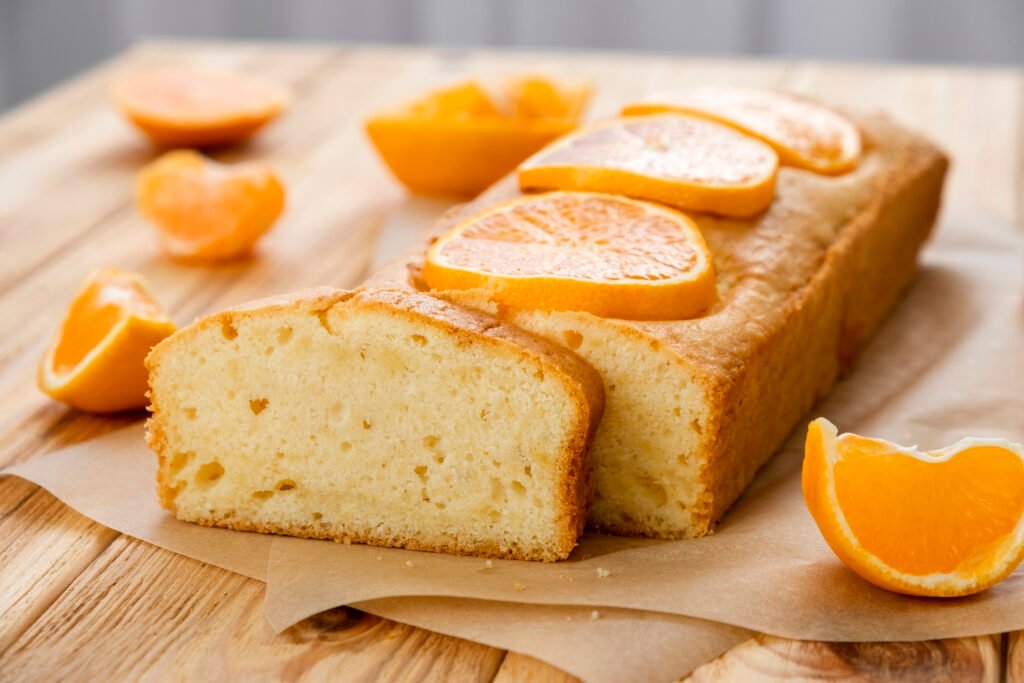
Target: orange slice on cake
(96,360)
(608,255)
(204,211)
(189,107)
(457,141)
(805,135)
(683,161)
(937,523)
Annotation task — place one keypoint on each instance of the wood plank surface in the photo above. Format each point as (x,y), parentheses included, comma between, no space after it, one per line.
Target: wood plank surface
(766,659)
(67,167)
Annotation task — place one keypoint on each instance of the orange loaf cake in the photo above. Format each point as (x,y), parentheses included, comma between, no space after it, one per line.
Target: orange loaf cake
(384,417)
(694,408)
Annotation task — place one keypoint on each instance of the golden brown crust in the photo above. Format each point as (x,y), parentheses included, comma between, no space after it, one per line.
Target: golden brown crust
(471,327)
(801,288)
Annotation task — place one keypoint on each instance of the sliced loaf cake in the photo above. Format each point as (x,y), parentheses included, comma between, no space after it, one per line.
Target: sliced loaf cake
(381,417)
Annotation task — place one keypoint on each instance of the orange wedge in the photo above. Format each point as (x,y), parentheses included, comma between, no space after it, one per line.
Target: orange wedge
(683,161)
(805,135)
(187,107)
(208,212)
(937,523)
(608,255)
(96,360)
(457,141)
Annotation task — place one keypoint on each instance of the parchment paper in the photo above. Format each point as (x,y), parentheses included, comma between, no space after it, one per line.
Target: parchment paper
(949,363)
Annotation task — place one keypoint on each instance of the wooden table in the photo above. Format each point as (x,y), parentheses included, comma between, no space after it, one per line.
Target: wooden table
(81,602)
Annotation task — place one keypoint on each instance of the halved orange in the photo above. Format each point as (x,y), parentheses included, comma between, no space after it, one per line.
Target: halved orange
(608,255)
(459,140)
(205,211)
(805,134)
(937,523)
(190,107)
(96,360)
(683,161)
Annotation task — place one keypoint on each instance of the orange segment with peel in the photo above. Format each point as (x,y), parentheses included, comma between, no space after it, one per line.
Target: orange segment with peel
(804,134)
(96,360)
(457,141)
(190,107)
(604,254)
(204,211)
(683,161)
(938,523)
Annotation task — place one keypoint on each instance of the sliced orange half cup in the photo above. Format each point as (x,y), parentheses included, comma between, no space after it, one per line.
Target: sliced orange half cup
(457,141)
(96,360)
(939,523)
(683,161)
(190,107)
(604,254)
(805,134)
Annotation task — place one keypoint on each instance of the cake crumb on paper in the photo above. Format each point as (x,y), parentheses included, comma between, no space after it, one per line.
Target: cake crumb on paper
(408,563)
(347,540)
(380,557)
(595,615)
(602,572)
(489,564)
(518,586)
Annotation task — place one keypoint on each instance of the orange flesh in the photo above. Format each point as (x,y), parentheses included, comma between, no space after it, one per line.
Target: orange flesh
(466,100)
(948,516)
(93,315)
(673,147)
(186,96)
(577,237)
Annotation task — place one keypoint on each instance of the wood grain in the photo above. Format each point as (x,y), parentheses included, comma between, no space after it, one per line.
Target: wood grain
(165,616)
(1015,657)
(67,167)
(766,658)
(44,545)
(517,667)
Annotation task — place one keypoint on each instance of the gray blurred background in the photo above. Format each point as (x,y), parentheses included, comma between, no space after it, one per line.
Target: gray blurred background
(43,42)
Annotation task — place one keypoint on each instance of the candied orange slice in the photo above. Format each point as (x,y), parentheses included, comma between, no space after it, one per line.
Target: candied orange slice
(188,107)
(939,523)
(608,255)
(805,135)
(457,141)
(684,161)
(96,360)
(205,211)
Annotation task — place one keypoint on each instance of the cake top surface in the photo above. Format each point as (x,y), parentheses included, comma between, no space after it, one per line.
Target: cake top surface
(763,263)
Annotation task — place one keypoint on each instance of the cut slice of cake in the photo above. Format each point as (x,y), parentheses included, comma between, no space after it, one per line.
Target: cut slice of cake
(382,417)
